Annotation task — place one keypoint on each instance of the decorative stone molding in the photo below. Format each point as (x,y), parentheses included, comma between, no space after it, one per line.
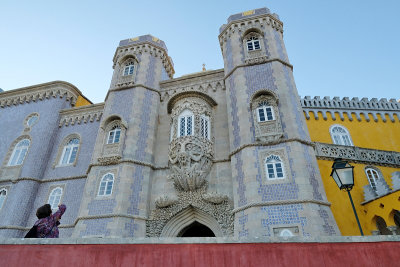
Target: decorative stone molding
(246,23)
(369,193)
(16,180)
(267,131)
(214,197)
(80,115)
(382,187)
(255,56)
(112,153)
(190,160)
(112,160)
(221,213)
(358,154)
(13,172)
(40,92)
(394,229)
(355,106)
(61,148)
(138,48)
(264,154)
(165,201)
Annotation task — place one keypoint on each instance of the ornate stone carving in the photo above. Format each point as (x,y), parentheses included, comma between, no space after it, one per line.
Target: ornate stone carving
(165,201)
(220,212)
(358,154)
(80,115)
(382,188)
(109,160)
(190,160)
(396,181)
(214,197)
(267,131)
(369,193)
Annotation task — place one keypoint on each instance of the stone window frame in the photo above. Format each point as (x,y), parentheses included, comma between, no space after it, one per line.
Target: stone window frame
(198,107)
(122,79)
(341,135)
(129,68)
(263,155)
(10,152)
(378,173)
(113,132)
(51,190)
(6,189)
(113,149)
(268,130)
(294,229)
(258,53)
(30,116)
(103,174)
(264,106)
(61,148)
(205,126)
(275,168)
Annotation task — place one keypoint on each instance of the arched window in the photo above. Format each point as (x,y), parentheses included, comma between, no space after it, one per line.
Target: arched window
(340,136)
(265,112)
(373,176)
(286,232)
(274,167)
(114,135)
(106,185)
(185,123)
(69,152)
(205,126)
(3,195)
(253,43)
(55,197)
(19,153)
(129,67)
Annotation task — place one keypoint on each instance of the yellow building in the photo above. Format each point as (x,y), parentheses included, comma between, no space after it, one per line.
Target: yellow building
(367,134)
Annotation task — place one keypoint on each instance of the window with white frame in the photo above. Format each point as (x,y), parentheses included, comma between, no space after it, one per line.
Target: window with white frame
(340,136)
(32,120)
(129,67)
(69,152)
(253,43)
(106,185)
(185,123)
(373,177)
(114,135)
(274,167)
(286,232)
(55,197)
(3,195)
(205,126)
(19,153)
(265,112)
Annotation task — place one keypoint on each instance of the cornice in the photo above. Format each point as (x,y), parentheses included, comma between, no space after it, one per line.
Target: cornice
(241,25)
(83,114)
(145,47)
(40,92)
(49,180)
(349,106)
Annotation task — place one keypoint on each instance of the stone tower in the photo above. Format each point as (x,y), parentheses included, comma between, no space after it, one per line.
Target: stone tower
(276,182)
(123,154)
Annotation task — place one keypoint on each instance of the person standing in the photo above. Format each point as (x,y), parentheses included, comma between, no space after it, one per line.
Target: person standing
(47,223)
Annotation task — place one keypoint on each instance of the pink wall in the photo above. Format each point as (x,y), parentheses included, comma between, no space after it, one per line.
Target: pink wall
(160,255)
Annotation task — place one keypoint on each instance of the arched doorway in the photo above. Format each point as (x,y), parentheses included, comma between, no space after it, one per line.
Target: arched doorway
(382,227)
(196,229)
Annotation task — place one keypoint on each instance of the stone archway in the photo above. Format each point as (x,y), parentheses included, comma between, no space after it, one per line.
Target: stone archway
(182,221)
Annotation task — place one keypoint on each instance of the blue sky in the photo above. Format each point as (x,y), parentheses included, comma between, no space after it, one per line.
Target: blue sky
(338,48)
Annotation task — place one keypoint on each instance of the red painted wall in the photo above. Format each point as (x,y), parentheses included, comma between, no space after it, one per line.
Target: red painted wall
(260,254)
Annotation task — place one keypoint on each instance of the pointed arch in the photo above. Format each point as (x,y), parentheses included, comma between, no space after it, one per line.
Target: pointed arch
(185,218)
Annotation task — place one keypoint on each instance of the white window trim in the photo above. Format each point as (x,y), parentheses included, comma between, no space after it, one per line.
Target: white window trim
(19,149)
(207,121)
(250,40)
(265,113)
(105,188)
(378,174)
(3,198)
(286,233)
(274,168)
(71,146)
(54,205)
(186,114)
(340,135)
(114,130)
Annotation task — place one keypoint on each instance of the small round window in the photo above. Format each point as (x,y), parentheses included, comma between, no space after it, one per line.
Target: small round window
(32,119)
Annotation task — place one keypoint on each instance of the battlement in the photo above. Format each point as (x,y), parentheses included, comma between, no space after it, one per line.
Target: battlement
(351,106)
(144,38)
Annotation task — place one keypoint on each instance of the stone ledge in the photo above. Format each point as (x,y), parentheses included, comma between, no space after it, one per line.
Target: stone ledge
(201,240)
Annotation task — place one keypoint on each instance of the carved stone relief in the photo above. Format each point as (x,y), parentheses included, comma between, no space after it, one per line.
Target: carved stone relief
(255,56)
(112,153)
(267,131)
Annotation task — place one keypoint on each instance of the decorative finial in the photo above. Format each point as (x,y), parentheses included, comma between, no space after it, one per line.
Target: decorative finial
(204,67)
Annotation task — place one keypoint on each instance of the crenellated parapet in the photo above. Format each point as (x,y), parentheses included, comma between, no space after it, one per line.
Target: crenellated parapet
(80,115)
(40,92)
(349,106)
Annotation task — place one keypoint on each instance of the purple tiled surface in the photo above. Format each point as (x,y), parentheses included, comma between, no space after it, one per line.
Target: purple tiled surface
(143,38)
(139,174)
(282,215)
(131,227)
(328,229)
(238,16)
(241,189)
(96,227)
(243,219)
(279,45)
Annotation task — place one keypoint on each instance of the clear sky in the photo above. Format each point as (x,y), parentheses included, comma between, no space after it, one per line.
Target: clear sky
(338,48)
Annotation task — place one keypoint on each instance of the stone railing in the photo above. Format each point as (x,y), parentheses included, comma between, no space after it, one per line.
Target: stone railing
(349,106)
(358,154)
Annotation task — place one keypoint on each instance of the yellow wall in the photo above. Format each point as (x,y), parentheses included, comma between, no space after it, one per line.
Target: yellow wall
(375,135)
(81,101)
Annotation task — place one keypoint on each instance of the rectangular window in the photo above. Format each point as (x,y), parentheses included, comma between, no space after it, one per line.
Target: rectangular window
(126,71)
(66,155)
(110,137)
(182,127)
(249,46)
(189,125)
(256,45)
(261,114)
(279,171)
(73,155)
(269,113)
